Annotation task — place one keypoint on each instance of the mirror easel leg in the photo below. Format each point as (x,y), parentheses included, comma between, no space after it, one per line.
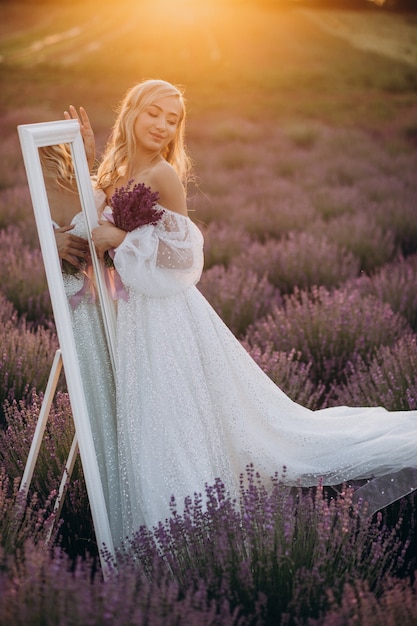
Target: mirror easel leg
(37,440)
(68,469)
(41,423)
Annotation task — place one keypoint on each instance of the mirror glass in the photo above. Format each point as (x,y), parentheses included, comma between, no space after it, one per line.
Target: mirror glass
(85,312)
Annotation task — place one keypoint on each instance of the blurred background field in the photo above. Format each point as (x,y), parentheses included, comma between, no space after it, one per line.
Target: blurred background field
(303,130)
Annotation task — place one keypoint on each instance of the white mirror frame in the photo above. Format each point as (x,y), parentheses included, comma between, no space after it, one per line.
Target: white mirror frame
(32,137)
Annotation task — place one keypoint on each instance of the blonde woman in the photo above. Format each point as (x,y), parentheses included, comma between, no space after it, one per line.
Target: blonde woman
(192,405)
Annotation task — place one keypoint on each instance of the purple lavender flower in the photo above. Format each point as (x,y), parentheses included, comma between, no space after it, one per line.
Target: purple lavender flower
(132,208)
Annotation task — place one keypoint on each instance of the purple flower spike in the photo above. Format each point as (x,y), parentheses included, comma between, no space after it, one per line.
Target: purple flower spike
(134,207)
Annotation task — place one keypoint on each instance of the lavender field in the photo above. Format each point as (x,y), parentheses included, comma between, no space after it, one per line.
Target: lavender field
(304,139)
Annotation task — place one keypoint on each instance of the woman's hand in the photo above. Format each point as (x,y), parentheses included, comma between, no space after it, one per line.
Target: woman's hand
(70,247)
(106,236)
(86,132)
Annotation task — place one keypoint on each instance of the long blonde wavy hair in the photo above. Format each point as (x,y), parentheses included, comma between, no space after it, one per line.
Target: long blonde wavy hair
(122,142)
(57,164)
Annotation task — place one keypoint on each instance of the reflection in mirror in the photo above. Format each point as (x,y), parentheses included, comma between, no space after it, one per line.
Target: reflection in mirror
(80,287)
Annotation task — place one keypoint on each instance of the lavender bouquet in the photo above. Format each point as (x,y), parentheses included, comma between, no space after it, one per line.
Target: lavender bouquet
(131,208)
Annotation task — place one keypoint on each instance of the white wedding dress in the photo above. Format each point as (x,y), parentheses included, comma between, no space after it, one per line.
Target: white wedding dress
(193,406)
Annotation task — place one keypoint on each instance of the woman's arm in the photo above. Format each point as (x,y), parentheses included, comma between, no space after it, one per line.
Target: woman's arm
(106,236)
(70,247)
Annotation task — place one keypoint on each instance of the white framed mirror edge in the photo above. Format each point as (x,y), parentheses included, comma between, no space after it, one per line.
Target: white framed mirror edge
(32,137)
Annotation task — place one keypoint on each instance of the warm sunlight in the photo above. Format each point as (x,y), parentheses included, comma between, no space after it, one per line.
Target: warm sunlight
(272,332)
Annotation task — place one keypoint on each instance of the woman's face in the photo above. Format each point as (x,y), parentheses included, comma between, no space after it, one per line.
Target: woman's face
(157,125)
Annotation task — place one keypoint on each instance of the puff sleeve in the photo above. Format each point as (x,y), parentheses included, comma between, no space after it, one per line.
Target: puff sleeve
(163,259)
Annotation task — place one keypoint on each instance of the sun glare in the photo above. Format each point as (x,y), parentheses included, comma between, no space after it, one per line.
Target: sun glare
(174,6)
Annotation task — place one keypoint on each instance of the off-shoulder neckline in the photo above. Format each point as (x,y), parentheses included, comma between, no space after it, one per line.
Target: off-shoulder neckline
(72,220)
(187,217)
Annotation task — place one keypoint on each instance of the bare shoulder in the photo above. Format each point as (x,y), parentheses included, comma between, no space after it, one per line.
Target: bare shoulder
(164,179)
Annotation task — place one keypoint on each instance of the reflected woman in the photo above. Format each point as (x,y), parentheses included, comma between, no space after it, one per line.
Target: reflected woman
(191,403)
(95,367)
